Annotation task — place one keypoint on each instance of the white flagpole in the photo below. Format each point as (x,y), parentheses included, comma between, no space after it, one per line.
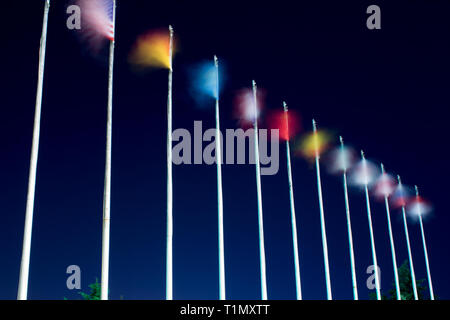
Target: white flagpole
(262,252)
(107,192)
(372,240)
(425,250)
(349,225)
(322,215)
(169,248)
(222,295)
(22,292)
(298,286)
(391,239)
(411,264)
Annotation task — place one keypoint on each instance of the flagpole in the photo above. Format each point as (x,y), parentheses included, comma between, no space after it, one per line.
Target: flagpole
(391,239)
(222,295)
(107,191)
(262,253)
(425,250)
(372,240)
(169,248)
(349,226)
(293,217)
(411,264)
(322,215)
(22,292)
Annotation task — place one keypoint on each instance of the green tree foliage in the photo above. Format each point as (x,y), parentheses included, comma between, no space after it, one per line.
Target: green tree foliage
(95,292)
(406,287)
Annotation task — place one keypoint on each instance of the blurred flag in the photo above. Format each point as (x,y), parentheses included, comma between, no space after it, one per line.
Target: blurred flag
(204,83)
(419,206)
(152,50)
(244,107)
(277,120)
(384,186)
(340,159)
(98,16)
(363,174)
(401,196)
(313,142)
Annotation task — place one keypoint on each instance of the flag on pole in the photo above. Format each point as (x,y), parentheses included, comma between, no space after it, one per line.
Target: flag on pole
(99,16)
(343,163)
(22,293)
(365,181)
(285,135)
(384,187)
(313,146)
(420,207)
(214,90)
(107,188)
(401,199)
(262,251)
(155,49)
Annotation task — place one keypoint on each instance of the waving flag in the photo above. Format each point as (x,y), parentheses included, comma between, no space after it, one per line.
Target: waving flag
(401,196)
(289,127)
(419,206)
(152,49)
(98,16)
(384,186)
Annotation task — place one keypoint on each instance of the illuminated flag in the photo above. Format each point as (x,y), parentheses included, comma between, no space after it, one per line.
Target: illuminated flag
(245,110)
(340,159)
(152,49)
(418,206)
(99,16)
(314,144)
(385,186)
(289,127)
(363,174)
(401,196)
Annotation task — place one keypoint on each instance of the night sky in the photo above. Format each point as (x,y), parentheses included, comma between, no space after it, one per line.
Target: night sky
(385,91)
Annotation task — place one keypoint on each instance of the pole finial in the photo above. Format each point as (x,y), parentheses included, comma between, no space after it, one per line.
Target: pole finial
(285,106)
(417,191)
(363,155)
(253,83)
(382,168)
(341,140)
(216,61)
(399,180)
(171,30)
(314,125)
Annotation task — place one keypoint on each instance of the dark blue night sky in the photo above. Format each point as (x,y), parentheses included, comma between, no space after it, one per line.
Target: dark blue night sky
(385,91)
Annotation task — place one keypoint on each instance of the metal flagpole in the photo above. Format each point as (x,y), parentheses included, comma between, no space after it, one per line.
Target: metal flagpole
(107,191)
(222,295)
(169,248)
(349,224)
(391,238)
(372,240)
(322,215)
(262,253)
(411,264)
(293,218)
(22,292)
(425,250)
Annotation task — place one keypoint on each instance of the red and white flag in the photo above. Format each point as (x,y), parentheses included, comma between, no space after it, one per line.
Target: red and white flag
(98,16)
